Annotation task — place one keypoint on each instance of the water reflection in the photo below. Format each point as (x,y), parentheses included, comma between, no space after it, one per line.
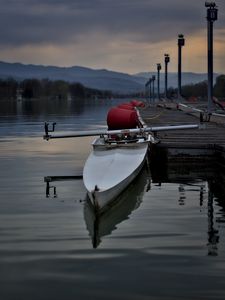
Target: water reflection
(102,224)
(208,180)
(213,233)
(189,183)
(26,117)
(188,187)
(35,107)
(57,107)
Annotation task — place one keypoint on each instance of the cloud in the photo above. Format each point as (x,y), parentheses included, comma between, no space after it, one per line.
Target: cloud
(94,31)
(55,21)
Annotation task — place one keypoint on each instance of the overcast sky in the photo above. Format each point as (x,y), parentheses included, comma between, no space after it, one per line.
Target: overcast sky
(122,35)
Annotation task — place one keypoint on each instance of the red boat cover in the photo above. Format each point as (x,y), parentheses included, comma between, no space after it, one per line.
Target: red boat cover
(137,103)
(128,106)
(119,118)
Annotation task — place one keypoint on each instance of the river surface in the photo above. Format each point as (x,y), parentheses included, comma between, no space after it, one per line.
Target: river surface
(164,240)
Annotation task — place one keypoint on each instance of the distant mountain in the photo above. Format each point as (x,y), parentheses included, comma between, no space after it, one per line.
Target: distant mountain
(99,79)
(187,78)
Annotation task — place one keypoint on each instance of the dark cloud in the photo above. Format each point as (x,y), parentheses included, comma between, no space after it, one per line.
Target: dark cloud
(55,21)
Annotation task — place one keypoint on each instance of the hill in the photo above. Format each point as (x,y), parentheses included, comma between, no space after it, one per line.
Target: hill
(187,78)
(98,79)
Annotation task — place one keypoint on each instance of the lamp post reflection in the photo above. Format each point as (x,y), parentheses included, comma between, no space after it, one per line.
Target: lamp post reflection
(213,234)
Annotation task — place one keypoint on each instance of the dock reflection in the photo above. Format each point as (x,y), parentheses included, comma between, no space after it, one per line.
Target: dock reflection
(208,179)
(102,224)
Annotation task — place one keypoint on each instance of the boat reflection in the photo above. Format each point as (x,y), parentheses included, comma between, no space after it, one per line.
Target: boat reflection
(100,224)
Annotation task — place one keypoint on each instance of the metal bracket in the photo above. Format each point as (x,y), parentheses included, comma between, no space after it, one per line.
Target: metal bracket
(48,189)
(49,179)
(47,130)
(205,117)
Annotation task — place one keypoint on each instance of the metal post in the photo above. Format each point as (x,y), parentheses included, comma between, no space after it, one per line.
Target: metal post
(153,88)
(146,91)
(181,42)
(150,89)
(158,79)
(167,59)
(212,15)
(165,79)
(210,66)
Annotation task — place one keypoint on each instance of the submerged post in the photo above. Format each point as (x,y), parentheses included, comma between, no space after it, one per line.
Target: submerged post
(212,15)
(158,80)
(181,42)
(167,60)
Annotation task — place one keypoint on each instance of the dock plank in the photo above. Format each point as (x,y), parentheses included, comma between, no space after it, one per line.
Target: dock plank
(210,135)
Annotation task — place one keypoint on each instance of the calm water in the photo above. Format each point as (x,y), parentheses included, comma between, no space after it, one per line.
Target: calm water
(164,240)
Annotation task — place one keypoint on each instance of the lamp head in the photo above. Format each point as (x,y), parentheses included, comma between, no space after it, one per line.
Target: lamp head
(167,58)
(159,67)
(210,4)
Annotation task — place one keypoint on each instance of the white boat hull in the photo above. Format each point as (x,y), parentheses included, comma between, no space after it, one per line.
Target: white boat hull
(104,223)
(110,169)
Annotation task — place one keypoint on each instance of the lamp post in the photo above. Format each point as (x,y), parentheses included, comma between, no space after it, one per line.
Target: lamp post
(167,60)
(159,67)
(146,90)
(212,15)
(153,88)
(181,43)
(150,89)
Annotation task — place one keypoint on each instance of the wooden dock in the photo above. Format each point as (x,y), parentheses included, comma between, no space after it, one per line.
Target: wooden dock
(186,154)
(206,142)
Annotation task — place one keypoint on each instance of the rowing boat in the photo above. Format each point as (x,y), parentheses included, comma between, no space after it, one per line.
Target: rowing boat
(102,224)
(118,155)
(112,165)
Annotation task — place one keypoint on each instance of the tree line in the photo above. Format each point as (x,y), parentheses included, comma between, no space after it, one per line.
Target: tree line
(201,89)
(45,88)
(60,89)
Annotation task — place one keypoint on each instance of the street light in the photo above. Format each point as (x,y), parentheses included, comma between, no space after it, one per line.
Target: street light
(167,60)
(146,91)
(159,67)
(150,89)
(153,88)
(148,83)
(212,16)
(181,43)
